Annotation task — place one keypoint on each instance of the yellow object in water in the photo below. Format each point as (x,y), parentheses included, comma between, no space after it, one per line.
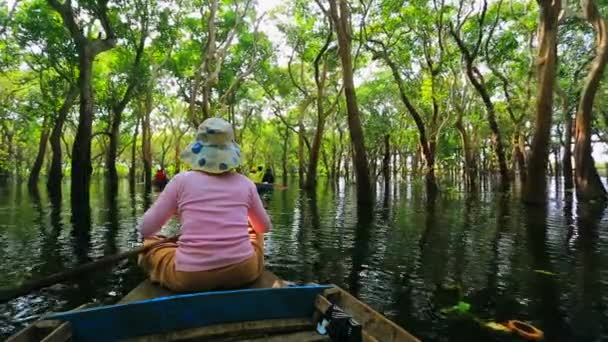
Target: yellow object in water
(497,327)
(545,272)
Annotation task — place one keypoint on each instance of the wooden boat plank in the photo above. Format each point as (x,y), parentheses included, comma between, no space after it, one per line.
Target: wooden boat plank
(373,322)
(301,336)
(63,333)
(232,331)
(148,290)
(47,330)
(33,332)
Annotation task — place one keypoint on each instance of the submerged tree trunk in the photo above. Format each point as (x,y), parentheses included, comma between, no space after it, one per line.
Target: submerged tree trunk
(491,117)
(320,77)
(425,145)
(519,160)
(147,141)
(470,165)
(567,157)
(301,167)
(81,150)
(342,24)
(386,162)
(132,168)
(535,190)
(35,172)
(588,183)
(112,150)
(557,167)
(284,157)
(55,171)
(87,49)
(118,109)
(477,80)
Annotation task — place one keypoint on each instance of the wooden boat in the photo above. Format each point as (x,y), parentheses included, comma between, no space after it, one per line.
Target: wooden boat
(267,311)
(264,187)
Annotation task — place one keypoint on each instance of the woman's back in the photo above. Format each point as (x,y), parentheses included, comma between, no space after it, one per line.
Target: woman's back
(213,211)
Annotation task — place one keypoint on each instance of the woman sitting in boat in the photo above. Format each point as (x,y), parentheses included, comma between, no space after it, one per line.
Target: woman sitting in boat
(217,247)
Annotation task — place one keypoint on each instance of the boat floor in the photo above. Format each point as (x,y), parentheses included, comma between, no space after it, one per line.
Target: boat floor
(291,330)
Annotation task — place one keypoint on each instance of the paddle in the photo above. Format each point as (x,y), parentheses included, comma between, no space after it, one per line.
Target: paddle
(7,294)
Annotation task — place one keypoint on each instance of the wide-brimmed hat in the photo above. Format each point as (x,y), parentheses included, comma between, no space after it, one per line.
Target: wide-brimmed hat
(214,150)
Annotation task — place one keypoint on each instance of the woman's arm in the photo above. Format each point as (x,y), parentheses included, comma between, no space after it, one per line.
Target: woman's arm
(257,214)
(161,211)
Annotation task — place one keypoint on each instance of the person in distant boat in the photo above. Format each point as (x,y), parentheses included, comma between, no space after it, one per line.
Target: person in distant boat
(160,178)
(268,176)
(221,214)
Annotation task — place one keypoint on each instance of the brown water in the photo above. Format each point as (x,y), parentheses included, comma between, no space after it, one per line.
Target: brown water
(405,257)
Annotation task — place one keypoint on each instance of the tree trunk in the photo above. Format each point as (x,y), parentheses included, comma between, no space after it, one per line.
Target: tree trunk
(56,170)
(87,49)
(147,141)
(44,138)
(301,167)
(320,77)
(132,168)
(491,117)
(112,152)
(470,165)
(386,163)
(284,158)
(313,159)
(211,78)
(567,157)
(588,183)
(81,150)
(535,190)
(341,22)
(476,78)
(425,145)
(518,155)
(177,153)
(556,161)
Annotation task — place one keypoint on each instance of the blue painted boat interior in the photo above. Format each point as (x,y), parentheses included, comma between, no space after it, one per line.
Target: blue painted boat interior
(165,314)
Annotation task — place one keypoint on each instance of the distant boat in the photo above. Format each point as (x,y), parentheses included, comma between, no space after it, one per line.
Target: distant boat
(267,311)
(160,183)
(264,187)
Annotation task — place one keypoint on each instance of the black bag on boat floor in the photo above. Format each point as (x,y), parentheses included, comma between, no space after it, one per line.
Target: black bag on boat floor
(342,327)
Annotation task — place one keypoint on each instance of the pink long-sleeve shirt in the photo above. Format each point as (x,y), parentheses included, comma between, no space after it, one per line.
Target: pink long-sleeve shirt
(213,211)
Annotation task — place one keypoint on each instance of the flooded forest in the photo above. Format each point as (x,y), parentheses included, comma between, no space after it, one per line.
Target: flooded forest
(443,161)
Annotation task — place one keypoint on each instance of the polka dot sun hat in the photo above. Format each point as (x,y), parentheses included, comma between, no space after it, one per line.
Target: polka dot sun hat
(214,150)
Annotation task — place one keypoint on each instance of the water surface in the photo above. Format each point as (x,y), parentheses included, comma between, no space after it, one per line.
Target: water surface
(407,257)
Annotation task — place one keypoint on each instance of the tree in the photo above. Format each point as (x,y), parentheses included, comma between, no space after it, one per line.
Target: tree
(588,183)
(470,54)
(121,94)
(536,183)
(340,15)
(88,48)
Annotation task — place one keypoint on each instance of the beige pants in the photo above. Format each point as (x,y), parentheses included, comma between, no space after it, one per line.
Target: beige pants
(159,264)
